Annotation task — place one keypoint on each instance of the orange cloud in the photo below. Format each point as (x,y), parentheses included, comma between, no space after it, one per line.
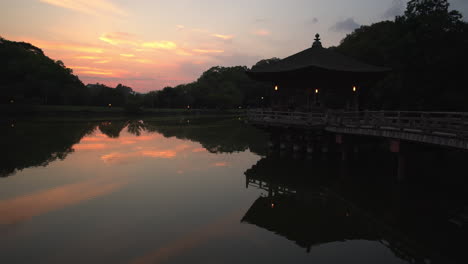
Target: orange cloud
(144,61)
(206,51)
(87,58)
(221,164)
(167,45)
(102,61)
(119,38)
(91,7)
(219,228)
(89,146)
(117,157)
(85,70)
(65,46)
(127,55)
(159,154)
(25,207)
(262,32)
(224,37)
(198,150)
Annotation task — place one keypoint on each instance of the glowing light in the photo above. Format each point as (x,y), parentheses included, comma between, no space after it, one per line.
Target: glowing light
(272,205)
(316,91)
(110,105)
(276,88)
(263,97)
(188,106)
(354,88)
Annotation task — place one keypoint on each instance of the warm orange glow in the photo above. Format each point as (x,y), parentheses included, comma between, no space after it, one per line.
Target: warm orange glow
(92,7)
(354,88)
(89,146)
(210,232)
(276,87)
(96,73)
(224,37)
(205,51)
(221,164)
(23,208)
(167,45)
(262,32)
(65,46)
(159,154)
(197,150)
(316,91)
(118,157)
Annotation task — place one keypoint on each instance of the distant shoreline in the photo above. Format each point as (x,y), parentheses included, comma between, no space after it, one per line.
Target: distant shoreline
(52,110)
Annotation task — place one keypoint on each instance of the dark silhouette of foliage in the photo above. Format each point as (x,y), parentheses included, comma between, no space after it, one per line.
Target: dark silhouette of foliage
(217,88)
(426,48)
(28,76)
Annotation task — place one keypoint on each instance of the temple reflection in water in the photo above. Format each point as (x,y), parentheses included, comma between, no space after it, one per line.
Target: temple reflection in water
(312,204)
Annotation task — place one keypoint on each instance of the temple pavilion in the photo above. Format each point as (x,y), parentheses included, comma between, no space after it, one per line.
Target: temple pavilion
(317,78)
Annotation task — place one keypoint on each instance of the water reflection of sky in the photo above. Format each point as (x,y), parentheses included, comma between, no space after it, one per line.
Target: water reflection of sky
(148,199)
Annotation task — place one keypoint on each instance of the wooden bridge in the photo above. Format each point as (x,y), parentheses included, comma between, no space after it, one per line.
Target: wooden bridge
(447,129)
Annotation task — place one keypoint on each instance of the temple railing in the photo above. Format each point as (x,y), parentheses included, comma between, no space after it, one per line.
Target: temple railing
(278,118)
(447,124)
(442,128)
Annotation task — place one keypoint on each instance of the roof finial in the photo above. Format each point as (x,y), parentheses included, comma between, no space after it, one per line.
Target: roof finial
(317,43)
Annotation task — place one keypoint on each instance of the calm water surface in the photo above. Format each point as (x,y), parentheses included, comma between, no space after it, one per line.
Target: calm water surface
(209,191)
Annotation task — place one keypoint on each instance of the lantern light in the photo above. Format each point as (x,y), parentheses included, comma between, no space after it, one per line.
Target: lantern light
(316,91)
(354,88)
(276,87)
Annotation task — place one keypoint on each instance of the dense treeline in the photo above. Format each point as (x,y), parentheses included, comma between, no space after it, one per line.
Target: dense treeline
(28,76)
(219,87)
(427,49)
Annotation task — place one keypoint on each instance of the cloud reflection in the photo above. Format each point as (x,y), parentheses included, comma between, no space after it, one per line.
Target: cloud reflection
(223,226)
(25,207)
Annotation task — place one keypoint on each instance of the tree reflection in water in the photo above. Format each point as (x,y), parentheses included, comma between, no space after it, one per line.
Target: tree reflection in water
(38,143)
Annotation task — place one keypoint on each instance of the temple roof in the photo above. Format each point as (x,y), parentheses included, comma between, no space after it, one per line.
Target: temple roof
(319,57)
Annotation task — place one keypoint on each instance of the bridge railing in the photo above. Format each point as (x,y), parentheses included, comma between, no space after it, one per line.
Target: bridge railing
(286,118)
(451,124)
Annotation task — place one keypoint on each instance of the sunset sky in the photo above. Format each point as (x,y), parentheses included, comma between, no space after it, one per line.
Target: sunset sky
(150,44)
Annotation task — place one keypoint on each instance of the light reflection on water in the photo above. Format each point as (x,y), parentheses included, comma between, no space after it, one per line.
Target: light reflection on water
(169,191)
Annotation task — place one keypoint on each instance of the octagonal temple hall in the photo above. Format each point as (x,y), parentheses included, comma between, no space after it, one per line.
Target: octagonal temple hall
(316,79)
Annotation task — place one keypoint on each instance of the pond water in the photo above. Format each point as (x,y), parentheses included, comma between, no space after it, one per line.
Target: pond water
(210,190)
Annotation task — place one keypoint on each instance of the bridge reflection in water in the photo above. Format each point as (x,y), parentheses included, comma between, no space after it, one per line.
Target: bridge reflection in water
(313,202)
